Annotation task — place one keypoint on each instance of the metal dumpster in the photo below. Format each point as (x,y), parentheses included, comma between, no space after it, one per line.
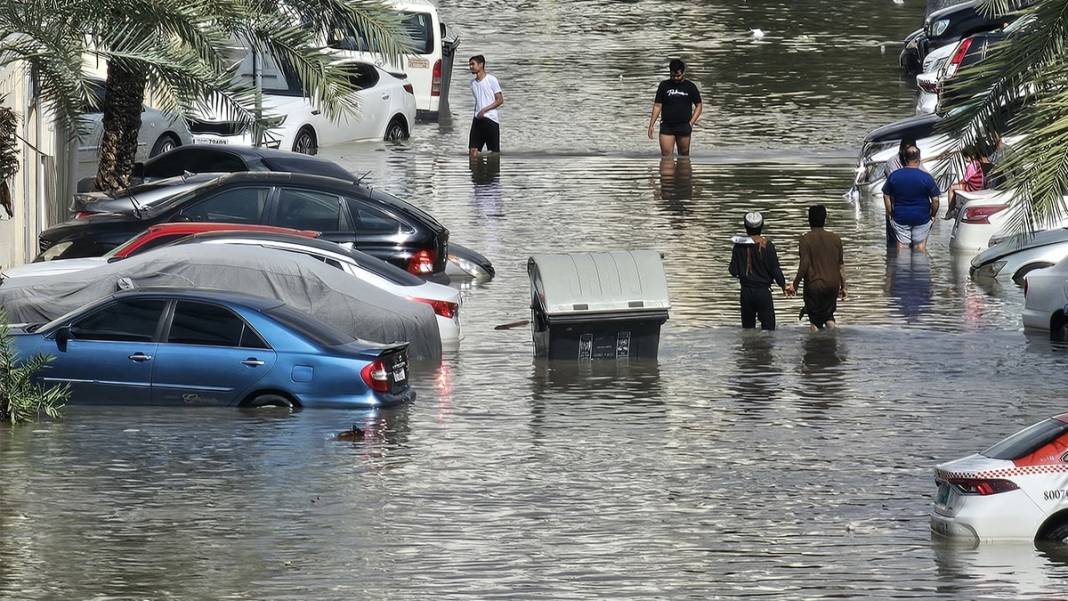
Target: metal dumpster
(597,305)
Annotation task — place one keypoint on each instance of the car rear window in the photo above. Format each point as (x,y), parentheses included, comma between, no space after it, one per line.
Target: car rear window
(309,327)
(311,167)
(1027,441)
(386,270)
(419,29)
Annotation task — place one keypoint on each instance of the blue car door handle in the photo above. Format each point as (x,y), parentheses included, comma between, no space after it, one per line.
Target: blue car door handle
(252,362)
(140,357)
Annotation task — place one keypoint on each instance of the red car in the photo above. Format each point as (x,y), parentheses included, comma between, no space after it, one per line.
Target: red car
(165,233)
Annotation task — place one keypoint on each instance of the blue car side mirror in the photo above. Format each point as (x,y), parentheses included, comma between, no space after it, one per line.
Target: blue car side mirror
(62,336)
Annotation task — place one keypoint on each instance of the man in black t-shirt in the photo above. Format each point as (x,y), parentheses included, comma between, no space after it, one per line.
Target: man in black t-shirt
(678,104)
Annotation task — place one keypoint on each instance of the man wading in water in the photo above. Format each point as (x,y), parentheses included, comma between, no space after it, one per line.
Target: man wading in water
(486,127)
(820,270)
(678,103)
(756,266)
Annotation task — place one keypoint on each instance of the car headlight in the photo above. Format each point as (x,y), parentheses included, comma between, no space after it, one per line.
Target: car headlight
(990,270)
(274,121)
(872,171)
(939,27)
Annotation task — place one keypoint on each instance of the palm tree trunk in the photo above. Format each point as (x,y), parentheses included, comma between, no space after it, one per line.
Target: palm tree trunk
(123,103)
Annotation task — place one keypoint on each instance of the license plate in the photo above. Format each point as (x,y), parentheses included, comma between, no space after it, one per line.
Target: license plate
(415,62)
(209,140)
(399,375)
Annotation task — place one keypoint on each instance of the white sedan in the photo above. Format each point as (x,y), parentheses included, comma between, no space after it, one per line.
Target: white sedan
(1015,490)
(1045,297)
(1015,257)
(386,111)
(984,216)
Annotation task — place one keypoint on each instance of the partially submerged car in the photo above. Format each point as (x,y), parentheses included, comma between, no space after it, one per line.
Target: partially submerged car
(306,284)
(937,152)
(1015,490)
(1018,255)
(444,300)
(345,212)
(1046,300)
(198,347)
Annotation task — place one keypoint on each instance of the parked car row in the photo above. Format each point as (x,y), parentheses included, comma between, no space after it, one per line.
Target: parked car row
(341,260)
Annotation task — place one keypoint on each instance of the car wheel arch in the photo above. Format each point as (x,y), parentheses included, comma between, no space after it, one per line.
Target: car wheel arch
(252,396)
(1021,273)
(1056,523)
(402,121)
(310,130)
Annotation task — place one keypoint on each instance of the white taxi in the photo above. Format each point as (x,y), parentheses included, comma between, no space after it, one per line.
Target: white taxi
(1015,490)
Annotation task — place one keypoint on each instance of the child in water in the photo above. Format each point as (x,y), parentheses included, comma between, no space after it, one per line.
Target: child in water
(756,266)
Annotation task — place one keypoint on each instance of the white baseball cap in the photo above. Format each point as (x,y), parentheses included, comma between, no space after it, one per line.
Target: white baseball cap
(754,220)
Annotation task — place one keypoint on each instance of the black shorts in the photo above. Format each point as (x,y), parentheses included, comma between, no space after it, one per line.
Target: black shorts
(485,132)
(682,130)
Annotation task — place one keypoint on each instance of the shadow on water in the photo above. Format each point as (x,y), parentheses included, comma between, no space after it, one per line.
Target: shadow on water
(757,383)
(1003,569)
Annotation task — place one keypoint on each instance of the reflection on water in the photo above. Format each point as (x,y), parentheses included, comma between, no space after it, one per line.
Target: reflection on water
(781,465)
(908,283)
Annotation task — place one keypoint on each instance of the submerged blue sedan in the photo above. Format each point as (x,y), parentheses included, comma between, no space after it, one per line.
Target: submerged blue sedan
(196,347)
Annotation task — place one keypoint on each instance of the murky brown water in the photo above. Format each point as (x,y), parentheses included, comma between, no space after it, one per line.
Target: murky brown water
(780,465)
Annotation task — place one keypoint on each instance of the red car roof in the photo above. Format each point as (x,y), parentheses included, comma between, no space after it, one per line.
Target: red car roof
(186,228)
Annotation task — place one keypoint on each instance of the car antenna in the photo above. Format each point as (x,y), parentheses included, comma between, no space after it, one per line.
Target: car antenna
(359,180)
(136,206)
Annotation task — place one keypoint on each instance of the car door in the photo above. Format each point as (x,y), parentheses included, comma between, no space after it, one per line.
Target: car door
(240,204)
(306,209)
(373,100)
(208,356)
(109,356)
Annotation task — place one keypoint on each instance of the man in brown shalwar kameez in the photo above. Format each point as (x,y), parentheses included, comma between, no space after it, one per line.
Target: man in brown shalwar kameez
(820,270)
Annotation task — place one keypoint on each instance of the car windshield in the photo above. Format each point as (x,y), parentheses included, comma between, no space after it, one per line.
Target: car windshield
(1027,441)
(312,329)
(173,201)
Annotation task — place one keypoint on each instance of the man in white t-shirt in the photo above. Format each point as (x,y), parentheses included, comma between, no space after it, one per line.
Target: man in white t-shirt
(486,127)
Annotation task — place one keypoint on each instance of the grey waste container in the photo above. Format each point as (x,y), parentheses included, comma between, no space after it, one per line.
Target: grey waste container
(597,305)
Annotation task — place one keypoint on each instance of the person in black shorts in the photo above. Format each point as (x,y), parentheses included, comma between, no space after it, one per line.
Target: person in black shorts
(486,126)
(678,104)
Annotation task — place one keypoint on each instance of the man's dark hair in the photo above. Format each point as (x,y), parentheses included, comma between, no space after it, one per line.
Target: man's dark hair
(912,154)
(817,216)
(478,58)
(754,231)
(676,66)
(905,143)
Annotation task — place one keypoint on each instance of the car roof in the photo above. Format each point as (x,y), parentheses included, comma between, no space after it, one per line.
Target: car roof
(251,152)
(197,227)
(258,303)
(963,6)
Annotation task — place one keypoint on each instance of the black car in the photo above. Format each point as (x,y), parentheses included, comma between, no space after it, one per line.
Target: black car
(345,212)
(212,158)
(948,26)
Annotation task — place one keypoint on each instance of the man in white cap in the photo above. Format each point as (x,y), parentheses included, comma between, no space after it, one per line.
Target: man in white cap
(756,266)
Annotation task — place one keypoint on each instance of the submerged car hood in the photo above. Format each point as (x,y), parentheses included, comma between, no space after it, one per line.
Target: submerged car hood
(1018,242)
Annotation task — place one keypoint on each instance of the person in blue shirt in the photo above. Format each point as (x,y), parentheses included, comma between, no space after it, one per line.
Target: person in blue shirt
(910,195)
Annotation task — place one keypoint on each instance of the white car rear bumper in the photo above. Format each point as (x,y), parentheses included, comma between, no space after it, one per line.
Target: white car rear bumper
(1006,516)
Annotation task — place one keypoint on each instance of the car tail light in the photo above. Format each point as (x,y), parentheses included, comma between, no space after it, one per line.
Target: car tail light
(435,81)
(409,88)
(983,486)
(928,85)
(981,215)
(958,57)
(422,262)
(375,376)
(440,307)
(84,214)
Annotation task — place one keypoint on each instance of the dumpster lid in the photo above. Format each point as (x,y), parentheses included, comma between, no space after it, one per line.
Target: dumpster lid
(594,282)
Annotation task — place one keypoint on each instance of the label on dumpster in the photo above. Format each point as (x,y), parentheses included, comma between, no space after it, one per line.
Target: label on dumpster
(622,345)
(585,347)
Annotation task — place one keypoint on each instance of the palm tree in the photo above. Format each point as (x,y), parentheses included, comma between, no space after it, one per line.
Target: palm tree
(181,52)
(1019,90)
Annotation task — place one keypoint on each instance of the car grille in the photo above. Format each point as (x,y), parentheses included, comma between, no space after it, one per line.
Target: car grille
(219,128)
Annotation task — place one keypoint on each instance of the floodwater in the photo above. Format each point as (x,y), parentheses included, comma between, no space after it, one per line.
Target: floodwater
(742,464)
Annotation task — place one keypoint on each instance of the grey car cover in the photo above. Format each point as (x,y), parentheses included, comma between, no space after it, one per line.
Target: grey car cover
(304,283)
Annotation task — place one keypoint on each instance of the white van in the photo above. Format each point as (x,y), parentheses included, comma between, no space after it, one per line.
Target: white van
(429,67)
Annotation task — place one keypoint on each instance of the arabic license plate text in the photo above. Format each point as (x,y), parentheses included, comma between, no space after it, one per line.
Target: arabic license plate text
(209,140)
